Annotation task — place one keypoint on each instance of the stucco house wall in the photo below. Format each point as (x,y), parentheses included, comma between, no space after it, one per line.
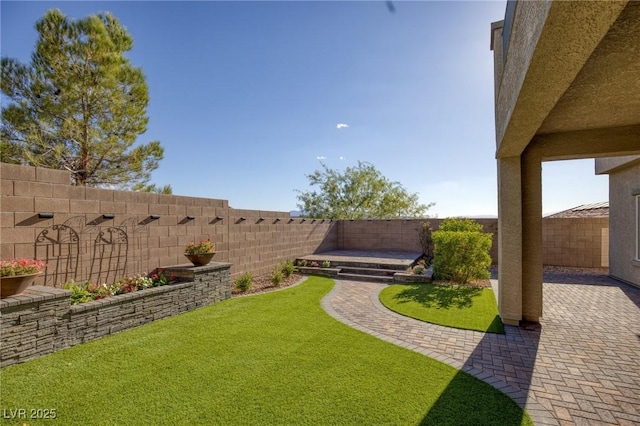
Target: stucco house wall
(566,88)
(624,211)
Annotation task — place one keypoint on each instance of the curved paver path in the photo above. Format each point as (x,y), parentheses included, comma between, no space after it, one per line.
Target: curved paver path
(580,366)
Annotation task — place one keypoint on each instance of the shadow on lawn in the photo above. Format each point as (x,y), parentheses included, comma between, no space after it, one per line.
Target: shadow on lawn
(509,358)
(439,296)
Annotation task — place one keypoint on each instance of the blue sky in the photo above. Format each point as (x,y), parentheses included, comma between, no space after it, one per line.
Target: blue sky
(248,97)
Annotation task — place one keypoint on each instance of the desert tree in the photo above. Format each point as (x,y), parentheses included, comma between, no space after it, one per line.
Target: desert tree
(360,192)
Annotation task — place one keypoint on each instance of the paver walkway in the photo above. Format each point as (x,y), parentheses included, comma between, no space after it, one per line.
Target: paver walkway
(580,366)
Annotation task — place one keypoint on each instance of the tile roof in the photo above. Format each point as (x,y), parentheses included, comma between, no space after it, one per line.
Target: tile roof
(585,210)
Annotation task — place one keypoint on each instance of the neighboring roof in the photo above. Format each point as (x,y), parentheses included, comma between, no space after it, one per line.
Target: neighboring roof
(585,210)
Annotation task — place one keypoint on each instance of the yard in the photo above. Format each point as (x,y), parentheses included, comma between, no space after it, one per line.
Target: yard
(275,358)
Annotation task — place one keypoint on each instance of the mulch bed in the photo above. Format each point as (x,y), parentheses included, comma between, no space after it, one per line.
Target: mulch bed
(262,284)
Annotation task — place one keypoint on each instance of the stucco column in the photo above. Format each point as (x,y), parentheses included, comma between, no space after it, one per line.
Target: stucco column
(531,236)
(510,240)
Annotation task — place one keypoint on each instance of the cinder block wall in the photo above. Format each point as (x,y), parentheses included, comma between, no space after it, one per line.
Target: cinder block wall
(576,242)
(397,235)
(79,242)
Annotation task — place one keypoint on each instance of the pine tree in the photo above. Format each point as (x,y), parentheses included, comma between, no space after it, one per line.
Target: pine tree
(79,105)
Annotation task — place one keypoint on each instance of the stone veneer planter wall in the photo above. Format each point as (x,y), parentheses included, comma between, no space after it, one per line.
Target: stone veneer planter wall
(42,320)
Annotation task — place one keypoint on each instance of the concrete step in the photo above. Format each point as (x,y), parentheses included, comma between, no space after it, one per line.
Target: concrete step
(367,271)
(367,265)
(370,278)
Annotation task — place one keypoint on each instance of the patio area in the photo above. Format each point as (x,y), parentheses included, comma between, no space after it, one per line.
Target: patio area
(579,366)
(377,257)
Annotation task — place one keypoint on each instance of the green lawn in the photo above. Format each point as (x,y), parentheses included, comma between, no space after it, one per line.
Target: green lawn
(276,358)
(469,308)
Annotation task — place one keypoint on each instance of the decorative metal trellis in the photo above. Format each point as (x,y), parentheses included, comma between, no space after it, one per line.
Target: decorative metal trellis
(59,247)
(109,259)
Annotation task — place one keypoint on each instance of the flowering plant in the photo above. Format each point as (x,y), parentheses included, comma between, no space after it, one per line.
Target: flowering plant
(159,278)
(86,291)
(13,267)
(133,283)
(204,247)
(98,292)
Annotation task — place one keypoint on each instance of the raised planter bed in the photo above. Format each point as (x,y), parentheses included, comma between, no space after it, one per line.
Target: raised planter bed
(42,320)
(408,277)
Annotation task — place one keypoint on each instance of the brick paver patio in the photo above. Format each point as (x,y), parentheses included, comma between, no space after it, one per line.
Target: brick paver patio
(580,366)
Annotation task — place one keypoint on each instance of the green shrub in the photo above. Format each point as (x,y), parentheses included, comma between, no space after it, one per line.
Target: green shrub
(461,251)
(80,292)
(276,276)
(326,264)
(418,269)
(302,262)
(460,224)
(244,282)
(84,292)
(287,268)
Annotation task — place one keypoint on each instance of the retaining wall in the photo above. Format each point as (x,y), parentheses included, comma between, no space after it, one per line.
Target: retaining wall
(42,320)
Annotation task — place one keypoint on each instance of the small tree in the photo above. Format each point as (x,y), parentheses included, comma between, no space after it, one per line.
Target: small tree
(79,105)
(426,240)
(461,251)
(360,192)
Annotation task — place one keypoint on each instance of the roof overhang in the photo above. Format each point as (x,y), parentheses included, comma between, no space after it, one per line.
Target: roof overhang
(569,67)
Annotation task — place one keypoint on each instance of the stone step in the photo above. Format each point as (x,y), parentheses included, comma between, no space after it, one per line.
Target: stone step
(367,271)
(360,264)
(370,278)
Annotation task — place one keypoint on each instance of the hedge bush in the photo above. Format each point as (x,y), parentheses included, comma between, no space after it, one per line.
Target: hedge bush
(461,251)
(460,224)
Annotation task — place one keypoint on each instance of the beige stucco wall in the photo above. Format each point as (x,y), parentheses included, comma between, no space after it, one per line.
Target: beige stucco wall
(564,90)
(529,18)
(610,164)
(549,43)
(624,184)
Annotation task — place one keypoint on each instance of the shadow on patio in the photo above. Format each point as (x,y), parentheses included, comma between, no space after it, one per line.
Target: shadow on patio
(513,354)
